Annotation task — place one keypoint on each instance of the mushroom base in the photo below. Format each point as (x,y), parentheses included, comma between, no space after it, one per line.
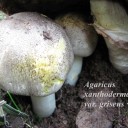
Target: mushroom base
(44,106)
(74,72)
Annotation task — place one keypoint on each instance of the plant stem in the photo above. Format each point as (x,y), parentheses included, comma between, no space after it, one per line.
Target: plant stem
(13,100)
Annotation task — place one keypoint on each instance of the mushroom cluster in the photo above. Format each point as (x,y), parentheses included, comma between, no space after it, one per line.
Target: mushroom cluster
(37,54)
(35,58)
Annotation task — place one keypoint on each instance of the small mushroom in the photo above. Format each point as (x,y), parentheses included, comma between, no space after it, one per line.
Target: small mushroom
(111,21)
(83,39)
(35,58)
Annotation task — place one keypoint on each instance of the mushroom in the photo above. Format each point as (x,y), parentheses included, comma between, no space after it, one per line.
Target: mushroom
(111,21)
(35,58)
(83,39)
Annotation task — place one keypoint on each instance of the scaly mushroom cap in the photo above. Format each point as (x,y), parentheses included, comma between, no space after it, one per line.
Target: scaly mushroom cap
(35,54)
(82,36)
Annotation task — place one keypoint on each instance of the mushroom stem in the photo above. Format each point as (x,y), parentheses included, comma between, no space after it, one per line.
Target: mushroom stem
(118,57)
(75,70)
(44,106)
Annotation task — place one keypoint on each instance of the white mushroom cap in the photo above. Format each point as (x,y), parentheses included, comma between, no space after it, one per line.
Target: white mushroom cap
(111,21)
(35,54)
(82,36)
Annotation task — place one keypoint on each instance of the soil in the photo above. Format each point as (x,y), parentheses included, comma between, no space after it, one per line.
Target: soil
(96,68)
